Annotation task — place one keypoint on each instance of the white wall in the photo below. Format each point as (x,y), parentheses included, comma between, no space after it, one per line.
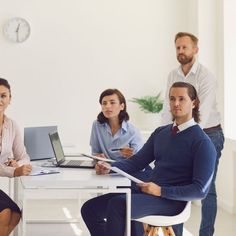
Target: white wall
(229,64)
(79,48)
(227,175)
(226,179)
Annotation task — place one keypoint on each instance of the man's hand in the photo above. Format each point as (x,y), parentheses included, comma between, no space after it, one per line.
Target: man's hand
(23,170)
(100,155)
(150,188)
(127,152)
(102,168)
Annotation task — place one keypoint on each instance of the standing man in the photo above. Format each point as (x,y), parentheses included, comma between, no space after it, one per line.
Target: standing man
(191,71)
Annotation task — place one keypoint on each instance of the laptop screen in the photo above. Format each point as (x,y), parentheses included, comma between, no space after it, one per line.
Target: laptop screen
(37,142)
(57,147)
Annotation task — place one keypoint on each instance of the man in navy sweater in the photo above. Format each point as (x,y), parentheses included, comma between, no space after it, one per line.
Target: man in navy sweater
(184,167)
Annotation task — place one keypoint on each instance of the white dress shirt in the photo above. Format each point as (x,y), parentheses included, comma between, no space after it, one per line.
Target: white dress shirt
(185,125)
(205,84)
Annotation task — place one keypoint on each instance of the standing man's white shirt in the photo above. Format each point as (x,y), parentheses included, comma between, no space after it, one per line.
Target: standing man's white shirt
(205,84)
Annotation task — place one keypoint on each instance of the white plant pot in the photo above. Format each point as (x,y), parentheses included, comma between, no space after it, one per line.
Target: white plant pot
(151,121)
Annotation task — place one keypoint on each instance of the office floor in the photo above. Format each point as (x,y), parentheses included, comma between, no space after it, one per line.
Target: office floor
(225,222)
(60,210)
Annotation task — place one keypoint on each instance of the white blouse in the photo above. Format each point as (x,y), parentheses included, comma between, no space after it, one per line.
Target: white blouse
(12,147)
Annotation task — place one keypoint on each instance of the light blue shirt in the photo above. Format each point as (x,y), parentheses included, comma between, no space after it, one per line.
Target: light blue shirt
(102,141)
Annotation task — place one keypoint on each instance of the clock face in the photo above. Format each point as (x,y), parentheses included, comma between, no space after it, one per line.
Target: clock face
(17,30)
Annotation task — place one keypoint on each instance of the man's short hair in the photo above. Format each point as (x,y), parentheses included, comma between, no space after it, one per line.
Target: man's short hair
(191,36)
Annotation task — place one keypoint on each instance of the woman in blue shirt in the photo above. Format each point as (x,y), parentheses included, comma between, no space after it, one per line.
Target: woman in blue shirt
(112,136)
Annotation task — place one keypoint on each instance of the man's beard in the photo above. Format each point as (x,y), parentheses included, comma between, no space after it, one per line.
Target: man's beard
(183,60)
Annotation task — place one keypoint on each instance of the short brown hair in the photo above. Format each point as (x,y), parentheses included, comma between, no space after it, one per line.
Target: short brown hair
(191,36)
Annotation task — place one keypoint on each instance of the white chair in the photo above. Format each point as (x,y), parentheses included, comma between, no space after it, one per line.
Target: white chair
(152,223)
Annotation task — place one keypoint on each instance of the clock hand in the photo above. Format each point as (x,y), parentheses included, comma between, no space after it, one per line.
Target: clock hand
(17,29)
(17,32)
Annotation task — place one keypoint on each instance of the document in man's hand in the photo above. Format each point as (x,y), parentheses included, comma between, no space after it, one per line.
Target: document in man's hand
(121,172)
(97,158)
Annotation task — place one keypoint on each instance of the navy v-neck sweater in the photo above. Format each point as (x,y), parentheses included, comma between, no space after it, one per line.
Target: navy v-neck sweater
(184,163)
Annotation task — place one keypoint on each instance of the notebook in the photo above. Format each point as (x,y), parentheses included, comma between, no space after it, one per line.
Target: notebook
(60,156)
(37,142)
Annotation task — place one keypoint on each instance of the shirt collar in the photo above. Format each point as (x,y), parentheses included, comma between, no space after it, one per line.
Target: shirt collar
(124,126)
(193,69)
(185,125)
(5,121)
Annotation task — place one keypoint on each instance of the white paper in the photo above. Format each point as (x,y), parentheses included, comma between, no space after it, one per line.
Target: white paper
(98,158)
(37,170)
(121,172)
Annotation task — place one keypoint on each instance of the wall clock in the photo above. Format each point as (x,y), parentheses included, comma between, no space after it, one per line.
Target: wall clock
(16,30)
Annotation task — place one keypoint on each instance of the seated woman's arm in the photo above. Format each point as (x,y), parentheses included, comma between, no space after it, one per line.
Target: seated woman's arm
(18,149)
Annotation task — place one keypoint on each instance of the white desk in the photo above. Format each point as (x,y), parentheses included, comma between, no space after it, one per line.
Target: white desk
(69,183)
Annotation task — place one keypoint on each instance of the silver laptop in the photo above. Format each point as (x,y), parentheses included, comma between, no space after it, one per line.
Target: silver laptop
(60,156)
(37,142)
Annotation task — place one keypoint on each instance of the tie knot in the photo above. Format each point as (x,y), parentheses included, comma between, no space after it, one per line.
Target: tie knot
(174,130)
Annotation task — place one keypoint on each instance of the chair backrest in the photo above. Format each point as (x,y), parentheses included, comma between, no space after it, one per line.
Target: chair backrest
(157,220)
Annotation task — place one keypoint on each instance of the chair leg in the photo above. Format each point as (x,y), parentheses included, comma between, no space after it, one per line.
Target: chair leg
(145,227)
(150,230)
(168,231)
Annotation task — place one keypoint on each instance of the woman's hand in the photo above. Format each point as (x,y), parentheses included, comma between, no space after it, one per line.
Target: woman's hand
(102,168)
(23,170)
(12,163)
(150,188)
(127,152)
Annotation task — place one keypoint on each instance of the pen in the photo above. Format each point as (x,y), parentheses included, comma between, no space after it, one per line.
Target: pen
(49,172)
(116,149)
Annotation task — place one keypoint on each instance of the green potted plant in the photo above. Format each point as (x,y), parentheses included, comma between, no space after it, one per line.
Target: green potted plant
(149,104)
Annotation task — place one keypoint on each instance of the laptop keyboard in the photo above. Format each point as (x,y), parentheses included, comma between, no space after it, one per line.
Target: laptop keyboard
(73,163)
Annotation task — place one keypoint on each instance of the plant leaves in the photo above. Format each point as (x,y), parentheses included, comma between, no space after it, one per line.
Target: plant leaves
(149,104)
